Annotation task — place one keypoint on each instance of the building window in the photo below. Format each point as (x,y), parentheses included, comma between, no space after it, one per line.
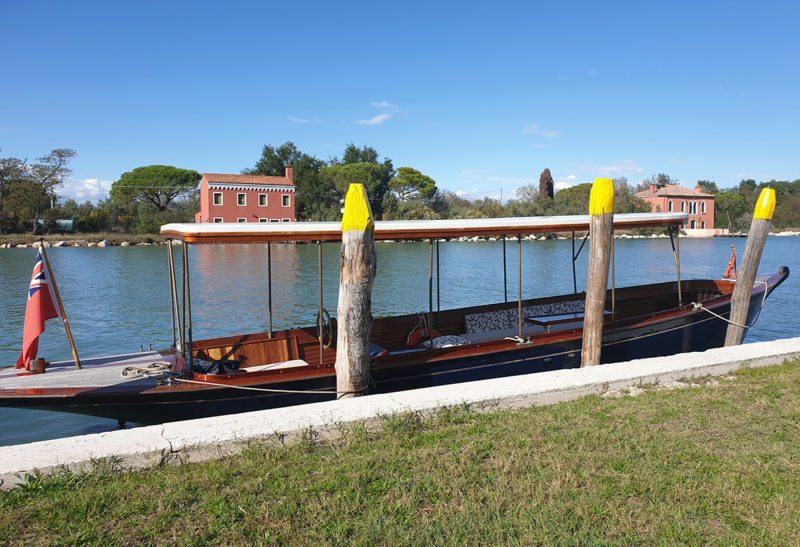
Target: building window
(286,200)
(241,199)
(217,198)
(245,220)
(285,220)
(670,206)
(263,220)
(274,220)
(703,225)
(703,207)
(683,207)
(692,225)
(217,219)
(262,200)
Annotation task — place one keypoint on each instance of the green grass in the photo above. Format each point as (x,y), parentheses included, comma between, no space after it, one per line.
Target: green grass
(709,464)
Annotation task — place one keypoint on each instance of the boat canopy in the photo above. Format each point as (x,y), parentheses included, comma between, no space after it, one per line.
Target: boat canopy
(265,232)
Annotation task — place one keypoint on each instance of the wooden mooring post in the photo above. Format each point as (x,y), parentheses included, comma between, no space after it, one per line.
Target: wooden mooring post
(756,238)
(601,233)
(355,294)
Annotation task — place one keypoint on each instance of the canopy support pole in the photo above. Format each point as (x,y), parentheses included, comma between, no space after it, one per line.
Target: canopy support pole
(574,258)
(173,283)
(519,286)
(188,300)
(320,317)
(430,292)
(676,253)
(269,287)
(613,278)
(438,278)
(505,276)
(171,272)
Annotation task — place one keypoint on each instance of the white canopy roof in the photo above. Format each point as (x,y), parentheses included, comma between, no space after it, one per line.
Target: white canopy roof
(405,229)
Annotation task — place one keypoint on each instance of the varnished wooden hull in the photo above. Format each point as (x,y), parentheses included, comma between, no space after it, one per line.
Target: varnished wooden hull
(671,331)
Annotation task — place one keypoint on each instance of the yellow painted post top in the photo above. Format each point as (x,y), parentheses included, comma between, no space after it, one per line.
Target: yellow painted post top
(601,200)
(765,205)
(357,212)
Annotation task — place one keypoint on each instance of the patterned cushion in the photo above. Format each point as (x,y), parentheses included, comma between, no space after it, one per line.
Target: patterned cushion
(506,319)
(446,341)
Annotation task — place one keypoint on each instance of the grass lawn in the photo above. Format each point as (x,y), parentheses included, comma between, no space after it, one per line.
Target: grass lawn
(718,463)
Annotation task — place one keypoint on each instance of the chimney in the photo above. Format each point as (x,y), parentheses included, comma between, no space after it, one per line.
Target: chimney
(698,188)
(652,189)
(290,173)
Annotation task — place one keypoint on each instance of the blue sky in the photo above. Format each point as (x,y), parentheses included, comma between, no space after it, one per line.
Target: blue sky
(479,96)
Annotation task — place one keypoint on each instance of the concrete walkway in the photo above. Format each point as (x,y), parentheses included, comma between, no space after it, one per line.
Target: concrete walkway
(207,438)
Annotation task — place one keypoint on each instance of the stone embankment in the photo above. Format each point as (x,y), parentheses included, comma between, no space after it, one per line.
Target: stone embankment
(79,243)
(208,438)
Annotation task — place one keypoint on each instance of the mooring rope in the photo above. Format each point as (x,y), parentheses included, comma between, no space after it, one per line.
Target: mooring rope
(270,390)
(699,306)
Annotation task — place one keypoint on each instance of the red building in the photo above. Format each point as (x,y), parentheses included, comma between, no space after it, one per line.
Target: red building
(673,198)
(246,198)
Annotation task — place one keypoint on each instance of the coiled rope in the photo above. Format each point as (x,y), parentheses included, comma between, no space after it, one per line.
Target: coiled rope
(153,369)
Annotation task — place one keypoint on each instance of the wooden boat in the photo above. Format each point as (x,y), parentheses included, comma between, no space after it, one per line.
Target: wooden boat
(294,366)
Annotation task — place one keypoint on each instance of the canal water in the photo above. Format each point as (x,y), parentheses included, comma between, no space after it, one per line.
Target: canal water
(117,298)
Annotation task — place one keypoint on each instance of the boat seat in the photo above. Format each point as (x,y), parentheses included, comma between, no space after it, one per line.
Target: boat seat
(274,366)
(508,319)
(501,334)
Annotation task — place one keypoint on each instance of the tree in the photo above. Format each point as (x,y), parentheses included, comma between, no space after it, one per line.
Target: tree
(369,174)
(659,180)
(411,184)
(354,155)
(313,199)
(708,186)
(44,177)
(546,184)
(732,206)
(12,172)
(156,184)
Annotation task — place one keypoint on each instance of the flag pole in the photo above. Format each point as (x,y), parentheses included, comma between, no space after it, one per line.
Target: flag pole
(60,306)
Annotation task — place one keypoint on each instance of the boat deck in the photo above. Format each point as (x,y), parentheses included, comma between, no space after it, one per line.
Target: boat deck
(96,372)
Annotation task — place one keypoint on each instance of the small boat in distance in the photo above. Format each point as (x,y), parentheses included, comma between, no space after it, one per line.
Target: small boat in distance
(275,368)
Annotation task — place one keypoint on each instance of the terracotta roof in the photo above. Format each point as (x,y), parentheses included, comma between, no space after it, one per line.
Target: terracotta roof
(246,179)
(674,190)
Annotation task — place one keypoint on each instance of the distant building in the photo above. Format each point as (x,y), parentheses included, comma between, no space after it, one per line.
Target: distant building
(673,198)
(246,198)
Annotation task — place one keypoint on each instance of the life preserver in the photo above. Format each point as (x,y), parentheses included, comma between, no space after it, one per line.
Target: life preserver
(416,336)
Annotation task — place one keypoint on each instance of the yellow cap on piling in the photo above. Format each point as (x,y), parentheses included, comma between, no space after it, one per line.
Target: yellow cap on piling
(601,200)
(357,212)
(765,205)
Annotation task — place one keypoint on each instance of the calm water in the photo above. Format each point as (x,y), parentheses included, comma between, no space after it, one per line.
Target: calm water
(117,298)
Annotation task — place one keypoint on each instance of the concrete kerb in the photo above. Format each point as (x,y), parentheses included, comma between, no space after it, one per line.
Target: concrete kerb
(211,438)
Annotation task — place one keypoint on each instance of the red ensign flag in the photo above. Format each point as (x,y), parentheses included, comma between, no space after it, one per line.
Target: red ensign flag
(41,307)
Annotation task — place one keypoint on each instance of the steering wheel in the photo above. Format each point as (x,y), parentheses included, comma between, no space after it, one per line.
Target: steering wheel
(324,328)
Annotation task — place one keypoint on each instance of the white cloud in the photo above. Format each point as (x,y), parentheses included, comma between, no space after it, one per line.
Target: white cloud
(618,168)
(375,120)
(385,105)
(561,185)
(86,189)
(571,177)
(298,120)
(537,130)
(593,72)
